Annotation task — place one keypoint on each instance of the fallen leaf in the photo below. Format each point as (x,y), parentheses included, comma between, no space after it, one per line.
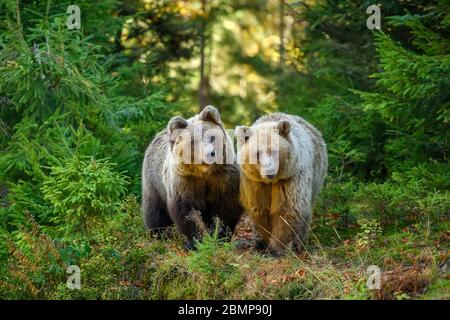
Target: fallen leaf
(300,273)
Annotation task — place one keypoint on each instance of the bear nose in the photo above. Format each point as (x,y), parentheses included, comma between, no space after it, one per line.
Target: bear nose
(213,154)
(270,176)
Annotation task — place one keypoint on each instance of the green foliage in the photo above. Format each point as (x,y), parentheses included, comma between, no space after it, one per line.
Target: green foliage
(80,190)
(417,194)
(381,103)
(212,261)
(78,108)
(413,99)
(370,232)
(34,272)
(72,132)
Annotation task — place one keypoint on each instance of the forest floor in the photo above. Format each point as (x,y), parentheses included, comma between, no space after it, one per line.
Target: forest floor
(413,278)
(413,265)
(121,261)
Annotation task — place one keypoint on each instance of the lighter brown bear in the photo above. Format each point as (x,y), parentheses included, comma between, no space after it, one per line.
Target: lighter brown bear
(283,162)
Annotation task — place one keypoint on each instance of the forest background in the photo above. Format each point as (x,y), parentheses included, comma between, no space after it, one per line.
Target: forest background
(79,107)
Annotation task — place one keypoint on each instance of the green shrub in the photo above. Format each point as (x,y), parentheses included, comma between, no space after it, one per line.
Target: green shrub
(34,270)
(369,234)
(214,263)
(83,192)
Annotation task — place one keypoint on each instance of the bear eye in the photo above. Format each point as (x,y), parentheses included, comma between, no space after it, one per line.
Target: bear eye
(212,138)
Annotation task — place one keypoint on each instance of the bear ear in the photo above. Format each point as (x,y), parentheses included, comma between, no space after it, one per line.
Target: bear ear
(242,133)
(284,127)
(177,123)
(210,113)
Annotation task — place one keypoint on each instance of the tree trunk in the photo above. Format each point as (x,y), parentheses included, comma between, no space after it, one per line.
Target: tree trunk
(203,91)
(281,35)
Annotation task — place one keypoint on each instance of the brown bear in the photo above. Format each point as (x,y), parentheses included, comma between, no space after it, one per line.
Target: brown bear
(191,166)
(284,162)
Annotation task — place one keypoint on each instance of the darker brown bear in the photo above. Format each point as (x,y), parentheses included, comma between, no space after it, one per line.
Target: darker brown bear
(191,166)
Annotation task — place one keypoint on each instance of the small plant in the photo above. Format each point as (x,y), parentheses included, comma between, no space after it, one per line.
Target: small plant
(214,262)
(35,269)
(82,192)
(370,231)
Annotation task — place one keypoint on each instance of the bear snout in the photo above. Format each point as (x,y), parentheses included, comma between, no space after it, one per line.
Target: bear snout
(209,154)
(268,168)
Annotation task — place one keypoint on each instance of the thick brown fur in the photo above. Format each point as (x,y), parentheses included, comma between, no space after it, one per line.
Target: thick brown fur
(173,189)
(281,204)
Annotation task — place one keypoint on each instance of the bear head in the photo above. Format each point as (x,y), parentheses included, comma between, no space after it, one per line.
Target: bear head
(265,151)
(200,144)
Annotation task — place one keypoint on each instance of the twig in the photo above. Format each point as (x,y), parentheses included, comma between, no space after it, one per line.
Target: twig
(18,19)
(290,7)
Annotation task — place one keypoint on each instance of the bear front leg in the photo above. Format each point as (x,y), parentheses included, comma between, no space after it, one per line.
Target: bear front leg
(303,227)
(229,212)
(179,211)
(154,212)
(263,226)
(284,233)
(289,229)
